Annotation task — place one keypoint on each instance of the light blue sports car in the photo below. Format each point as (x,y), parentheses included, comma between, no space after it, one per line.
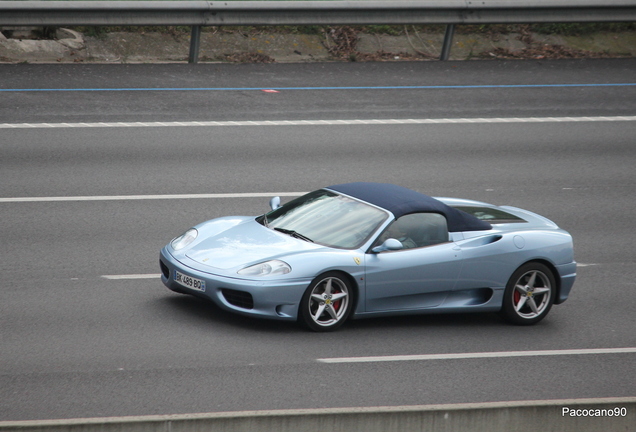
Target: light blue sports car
(373,249)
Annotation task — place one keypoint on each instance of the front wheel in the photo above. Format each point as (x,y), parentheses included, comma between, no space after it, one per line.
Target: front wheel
(529,294)
(327,303)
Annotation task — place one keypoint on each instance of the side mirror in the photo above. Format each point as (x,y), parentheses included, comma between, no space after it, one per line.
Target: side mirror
(274,203)
(389,245)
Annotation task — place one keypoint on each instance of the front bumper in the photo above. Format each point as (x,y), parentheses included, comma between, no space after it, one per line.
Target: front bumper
(266,298)
(567,273)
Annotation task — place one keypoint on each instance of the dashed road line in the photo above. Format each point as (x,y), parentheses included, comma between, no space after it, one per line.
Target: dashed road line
(319,122)
(132,276)
(477,355)
(149,197)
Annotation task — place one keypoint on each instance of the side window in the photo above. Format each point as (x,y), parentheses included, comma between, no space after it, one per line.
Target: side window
(417,230)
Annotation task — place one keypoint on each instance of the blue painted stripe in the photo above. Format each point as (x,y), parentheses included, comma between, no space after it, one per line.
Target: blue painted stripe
(424,87)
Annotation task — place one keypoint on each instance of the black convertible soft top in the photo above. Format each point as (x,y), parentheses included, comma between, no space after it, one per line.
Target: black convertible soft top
(401,201)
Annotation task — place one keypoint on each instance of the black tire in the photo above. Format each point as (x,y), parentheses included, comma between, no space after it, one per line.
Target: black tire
(327,302)
(529,294)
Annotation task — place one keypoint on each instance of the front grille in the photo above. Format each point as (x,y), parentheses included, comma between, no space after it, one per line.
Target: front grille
(164,269)
(240,299)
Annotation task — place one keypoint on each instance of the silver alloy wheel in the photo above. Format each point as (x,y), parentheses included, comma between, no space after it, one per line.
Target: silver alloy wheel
(532,294)
(329,301)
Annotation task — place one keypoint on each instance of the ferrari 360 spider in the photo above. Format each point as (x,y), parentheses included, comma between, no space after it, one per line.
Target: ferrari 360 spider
(362,249)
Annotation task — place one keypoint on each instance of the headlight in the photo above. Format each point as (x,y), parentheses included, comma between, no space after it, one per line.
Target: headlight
(184,239)
(269,268)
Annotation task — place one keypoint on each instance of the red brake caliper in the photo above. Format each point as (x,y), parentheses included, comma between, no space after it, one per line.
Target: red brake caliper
(336,304)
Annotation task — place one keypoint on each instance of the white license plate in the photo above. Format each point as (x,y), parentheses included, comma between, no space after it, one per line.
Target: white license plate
(189,281)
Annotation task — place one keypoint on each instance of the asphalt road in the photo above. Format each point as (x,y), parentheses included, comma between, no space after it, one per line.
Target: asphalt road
(75,344)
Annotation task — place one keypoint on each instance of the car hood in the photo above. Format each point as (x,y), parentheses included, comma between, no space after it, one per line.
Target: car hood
(246,244)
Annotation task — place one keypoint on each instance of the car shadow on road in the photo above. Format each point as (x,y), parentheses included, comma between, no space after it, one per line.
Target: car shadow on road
(197,311)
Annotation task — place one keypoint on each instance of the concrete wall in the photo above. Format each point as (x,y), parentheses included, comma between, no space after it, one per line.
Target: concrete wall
(525,416)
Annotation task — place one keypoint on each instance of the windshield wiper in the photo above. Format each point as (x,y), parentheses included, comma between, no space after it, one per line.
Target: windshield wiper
(294,234)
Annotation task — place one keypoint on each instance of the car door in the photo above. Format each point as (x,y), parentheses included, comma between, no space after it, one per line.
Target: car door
(417,277)
(488,261)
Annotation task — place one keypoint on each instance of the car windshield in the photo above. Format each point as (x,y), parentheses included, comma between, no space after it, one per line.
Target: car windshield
(326,218)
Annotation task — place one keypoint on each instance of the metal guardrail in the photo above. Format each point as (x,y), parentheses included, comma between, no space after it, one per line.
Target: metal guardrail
(335,12)
(571,415)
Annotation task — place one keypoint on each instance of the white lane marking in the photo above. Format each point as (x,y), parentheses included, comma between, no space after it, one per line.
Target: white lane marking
(132,276)
(149,197)
(586,265)
(477,355)
(156,276)
(319,122)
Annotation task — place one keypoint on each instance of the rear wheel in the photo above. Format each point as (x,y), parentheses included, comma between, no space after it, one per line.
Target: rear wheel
(327,303)
(529,294)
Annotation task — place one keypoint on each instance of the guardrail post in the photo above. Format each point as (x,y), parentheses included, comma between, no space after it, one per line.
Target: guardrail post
(195,39)
(448,41)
